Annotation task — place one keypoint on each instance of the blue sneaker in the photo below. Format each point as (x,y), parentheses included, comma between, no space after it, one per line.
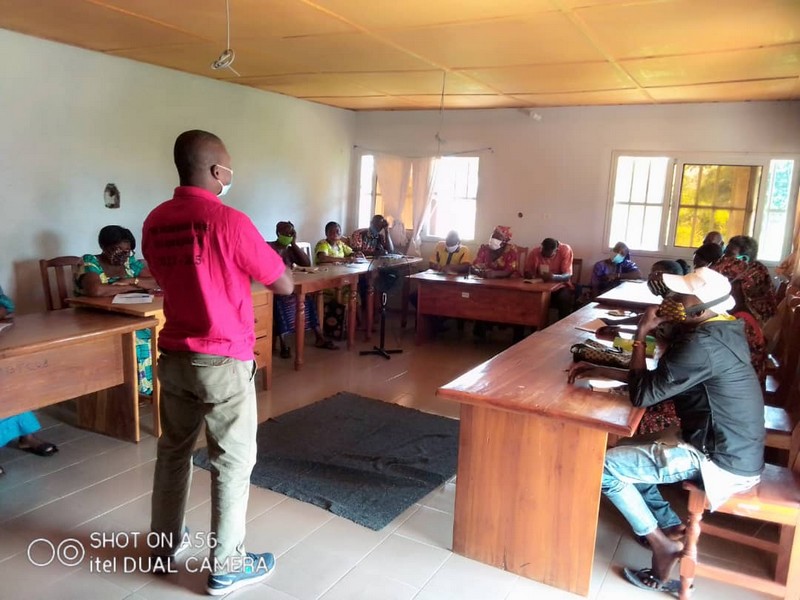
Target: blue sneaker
(254,568)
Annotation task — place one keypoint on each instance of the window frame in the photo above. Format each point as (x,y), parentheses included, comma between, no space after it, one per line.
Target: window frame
(667,229)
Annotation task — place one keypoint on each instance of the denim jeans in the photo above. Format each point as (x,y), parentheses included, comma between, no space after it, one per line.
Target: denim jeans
(219,391)
(631,475)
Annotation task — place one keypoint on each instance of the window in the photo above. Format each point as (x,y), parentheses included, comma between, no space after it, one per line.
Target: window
(669,203)
(453,198)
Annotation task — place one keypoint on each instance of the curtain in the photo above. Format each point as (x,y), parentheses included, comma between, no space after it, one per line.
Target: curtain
(393,175)
(422,192)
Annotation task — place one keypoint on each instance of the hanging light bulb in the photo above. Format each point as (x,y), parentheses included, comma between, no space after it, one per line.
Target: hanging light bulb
(225,60)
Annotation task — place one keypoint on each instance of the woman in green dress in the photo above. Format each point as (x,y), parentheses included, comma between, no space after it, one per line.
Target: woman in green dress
(117,271)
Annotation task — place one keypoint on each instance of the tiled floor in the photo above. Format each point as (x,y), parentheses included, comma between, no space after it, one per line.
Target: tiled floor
(96,484)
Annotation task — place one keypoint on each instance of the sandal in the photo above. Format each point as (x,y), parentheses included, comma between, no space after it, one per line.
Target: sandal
(43,449)
(326,345)
(645,579)
(286,352)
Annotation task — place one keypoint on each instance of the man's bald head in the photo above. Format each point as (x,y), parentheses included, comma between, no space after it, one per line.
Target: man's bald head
(196,155)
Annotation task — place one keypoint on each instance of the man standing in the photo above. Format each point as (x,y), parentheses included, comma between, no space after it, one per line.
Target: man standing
(706,371)
(203,255)
(552,261)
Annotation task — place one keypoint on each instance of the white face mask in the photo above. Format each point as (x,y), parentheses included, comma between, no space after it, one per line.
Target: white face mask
(451,249)
(225,187)
(495,244)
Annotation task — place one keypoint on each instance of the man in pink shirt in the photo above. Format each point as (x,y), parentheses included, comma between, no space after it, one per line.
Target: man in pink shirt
(552,261)
(203,254)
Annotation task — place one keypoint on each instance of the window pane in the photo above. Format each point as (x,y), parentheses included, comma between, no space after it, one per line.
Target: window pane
(454,204)
(639,186)
(773,226)
(773,231)
(715,197)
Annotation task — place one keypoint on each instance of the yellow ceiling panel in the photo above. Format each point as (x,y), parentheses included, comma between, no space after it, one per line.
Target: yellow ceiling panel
(349,52)
(365,102)
(382,14)
(541,39)
(315,84)
(742,65)
(692,26)
(421,82)
(433,101)
(553,78)
(249,18)
(86,25)
(253,59)
(776,89)
(600,98)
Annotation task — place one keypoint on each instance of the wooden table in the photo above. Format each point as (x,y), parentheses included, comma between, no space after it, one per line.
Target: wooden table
(262,318)
(46,358)
(497,300)
(325,277)
(630,294)
(530,460)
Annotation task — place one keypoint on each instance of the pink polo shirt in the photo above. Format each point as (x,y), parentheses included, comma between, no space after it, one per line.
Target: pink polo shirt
(203,255)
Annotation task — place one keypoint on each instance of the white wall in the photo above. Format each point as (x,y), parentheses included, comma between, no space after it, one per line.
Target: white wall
(73,120)
(556,171)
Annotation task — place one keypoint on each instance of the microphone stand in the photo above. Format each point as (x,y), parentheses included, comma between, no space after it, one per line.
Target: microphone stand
(381,349)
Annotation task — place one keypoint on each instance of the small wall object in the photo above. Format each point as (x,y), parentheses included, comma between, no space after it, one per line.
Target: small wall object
(111,196)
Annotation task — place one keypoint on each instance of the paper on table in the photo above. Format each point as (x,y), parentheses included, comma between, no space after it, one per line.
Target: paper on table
(607,385)
(592,325)
(4,326)
(132,298)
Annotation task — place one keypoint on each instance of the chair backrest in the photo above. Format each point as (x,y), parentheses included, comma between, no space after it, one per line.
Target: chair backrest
(788,393)
(522,251)
(306,247)
(577,268)
(65,269)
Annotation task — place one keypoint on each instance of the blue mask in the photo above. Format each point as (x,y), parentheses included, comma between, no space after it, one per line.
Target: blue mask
(744,257)
(617,259)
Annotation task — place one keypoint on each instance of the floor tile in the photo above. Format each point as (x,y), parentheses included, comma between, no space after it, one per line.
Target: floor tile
(464,579)
(407,560)
(430,526)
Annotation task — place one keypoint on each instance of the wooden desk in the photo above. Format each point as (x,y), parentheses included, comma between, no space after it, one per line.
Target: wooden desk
(530,459)
(497,300)
(629,294)
(262,318)
(50,357)
(327,276)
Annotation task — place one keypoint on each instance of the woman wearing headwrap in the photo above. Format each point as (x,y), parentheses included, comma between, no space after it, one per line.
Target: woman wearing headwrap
(499,258)
(610,272)
(751,281)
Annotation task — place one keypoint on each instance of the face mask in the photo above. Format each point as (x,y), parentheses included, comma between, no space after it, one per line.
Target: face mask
(744,257)
(451,249)
(225,186)
(657,286)
(285,240)
(617,258)
(495,244)
(672,310)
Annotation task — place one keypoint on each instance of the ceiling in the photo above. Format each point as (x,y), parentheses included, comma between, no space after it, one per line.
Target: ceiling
(396,54)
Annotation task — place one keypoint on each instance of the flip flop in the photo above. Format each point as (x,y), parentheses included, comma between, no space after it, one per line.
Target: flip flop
(327,345)
(43,449)
(645,579)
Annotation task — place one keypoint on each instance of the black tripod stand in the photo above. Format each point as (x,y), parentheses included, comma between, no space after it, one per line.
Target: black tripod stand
(380,350)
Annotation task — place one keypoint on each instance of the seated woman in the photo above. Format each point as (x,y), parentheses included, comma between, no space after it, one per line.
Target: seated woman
(499,258)
(332,250)
(741,267)
(21,427)
(286,306)
(610,272)
(117,271)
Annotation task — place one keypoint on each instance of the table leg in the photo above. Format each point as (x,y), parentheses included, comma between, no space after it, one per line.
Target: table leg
(528,495)
(156,397)
(352,304)
(299,330)
(370,306)
(404,302)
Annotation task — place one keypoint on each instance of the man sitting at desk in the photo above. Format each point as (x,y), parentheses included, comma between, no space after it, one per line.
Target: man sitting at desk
(552,261)
(374,240)
(706,370)
(450,255)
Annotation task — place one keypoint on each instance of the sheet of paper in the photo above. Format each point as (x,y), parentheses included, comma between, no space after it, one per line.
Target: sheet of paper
(132,298)
(592,325)
(4,326)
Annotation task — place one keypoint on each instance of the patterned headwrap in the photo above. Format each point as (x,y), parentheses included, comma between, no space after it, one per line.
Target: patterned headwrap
(504,231)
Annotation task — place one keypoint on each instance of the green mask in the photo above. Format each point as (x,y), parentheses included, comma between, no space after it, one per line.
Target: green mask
(285,240)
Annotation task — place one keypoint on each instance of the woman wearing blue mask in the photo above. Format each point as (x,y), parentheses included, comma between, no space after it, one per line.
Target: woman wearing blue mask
(617,267)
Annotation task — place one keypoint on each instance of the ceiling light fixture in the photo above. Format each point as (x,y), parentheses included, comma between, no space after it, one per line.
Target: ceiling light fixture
(226,59)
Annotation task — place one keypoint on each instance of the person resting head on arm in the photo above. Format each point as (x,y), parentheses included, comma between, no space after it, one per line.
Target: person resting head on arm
(333,250)
(115,270)
(610,272)
(450,255)
(286,245)
(373,240)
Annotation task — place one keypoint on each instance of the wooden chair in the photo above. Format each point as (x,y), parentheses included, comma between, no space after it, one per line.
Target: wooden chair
(523,258)
(65,269)
(577,269)
(775,500)
(781,418)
